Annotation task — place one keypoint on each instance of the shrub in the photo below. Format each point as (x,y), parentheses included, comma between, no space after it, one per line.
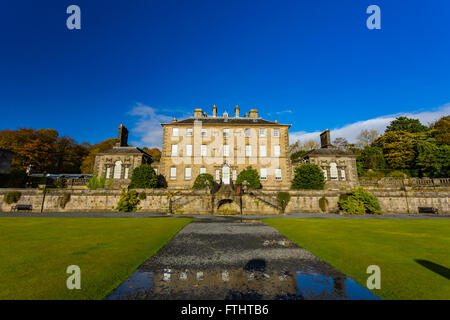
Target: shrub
(352,206)
(308,176)
(323,204)
(38,181)
(128,201)
(12,197)
(60,183)
(142,195)
(397,175)
(64,200)
(201,179)
(374,175)
(283,196)
(358,198)
(251,176)
(96,182)
(144,177)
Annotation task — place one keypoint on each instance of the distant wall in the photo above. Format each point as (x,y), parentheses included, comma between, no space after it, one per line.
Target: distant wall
(198,202)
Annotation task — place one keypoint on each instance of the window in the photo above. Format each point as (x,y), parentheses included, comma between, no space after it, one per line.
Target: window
(117,169)
(248,150)
(342,174)
(333,171)
(276,150)
(262,132)
(226,132)
(234,172)
(262,151)
(202,170)
(173,173)
(175,132)
(174,150)
(325,174)
(278,174)
(248,132)
(189,132)
(189,150)
(276,133)
(187,173)
(156,170)
(263,173)
(203,150)
(108,173)
(226,150)
(125,175)
(217,175)
(204,132)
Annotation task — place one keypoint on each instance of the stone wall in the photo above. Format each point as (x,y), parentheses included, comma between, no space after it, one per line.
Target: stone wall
(198,202)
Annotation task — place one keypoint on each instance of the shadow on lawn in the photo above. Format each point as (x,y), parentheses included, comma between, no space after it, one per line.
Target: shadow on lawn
(441,270)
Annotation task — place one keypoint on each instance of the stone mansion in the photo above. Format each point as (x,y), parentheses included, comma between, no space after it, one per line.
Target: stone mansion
(224,145)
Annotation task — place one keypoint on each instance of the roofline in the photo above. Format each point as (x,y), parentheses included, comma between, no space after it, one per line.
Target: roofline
(228,123)
(105,152)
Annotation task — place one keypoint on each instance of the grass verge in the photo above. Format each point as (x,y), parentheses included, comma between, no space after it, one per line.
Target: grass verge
(413,255)
(35,253)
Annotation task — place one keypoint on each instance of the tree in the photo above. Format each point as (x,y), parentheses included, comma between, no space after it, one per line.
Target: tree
(398,148)
(341,143)
(299,149)
(441,130)
(144,177)
(366,137)
(371,158)
(43,149)
(251,176)
(308,145)
(154,152)
(88,162)
(201,179)
(406,124)
(308,176)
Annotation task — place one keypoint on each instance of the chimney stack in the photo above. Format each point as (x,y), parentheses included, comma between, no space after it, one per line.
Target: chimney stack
(123,136)
(214,111)
(198,113)
(236,110)
(253,113)
(325,139)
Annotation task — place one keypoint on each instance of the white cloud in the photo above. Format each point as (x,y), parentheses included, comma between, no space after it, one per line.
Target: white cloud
(148,126)
(351,131)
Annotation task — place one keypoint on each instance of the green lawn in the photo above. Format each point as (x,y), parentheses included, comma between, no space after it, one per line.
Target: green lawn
(35,253)
(394,245)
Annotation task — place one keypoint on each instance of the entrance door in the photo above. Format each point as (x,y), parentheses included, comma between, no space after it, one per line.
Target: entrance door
(226,174)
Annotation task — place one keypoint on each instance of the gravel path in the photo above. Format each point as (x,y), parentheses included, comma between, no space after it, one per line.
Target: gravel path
(224,259)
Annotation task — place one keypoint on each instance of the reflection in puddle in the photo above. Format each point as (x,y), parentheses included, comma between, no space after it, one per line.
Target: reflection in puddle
(313,286)
(253,282)
(134,287)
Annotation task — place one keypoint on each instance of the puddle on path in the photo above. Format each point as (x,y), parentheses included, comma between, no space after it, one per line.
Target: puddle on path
(253,282)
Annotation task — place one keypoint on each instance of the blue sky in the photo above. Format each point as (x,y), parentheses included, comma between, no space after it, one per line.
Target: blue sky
(313,64)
